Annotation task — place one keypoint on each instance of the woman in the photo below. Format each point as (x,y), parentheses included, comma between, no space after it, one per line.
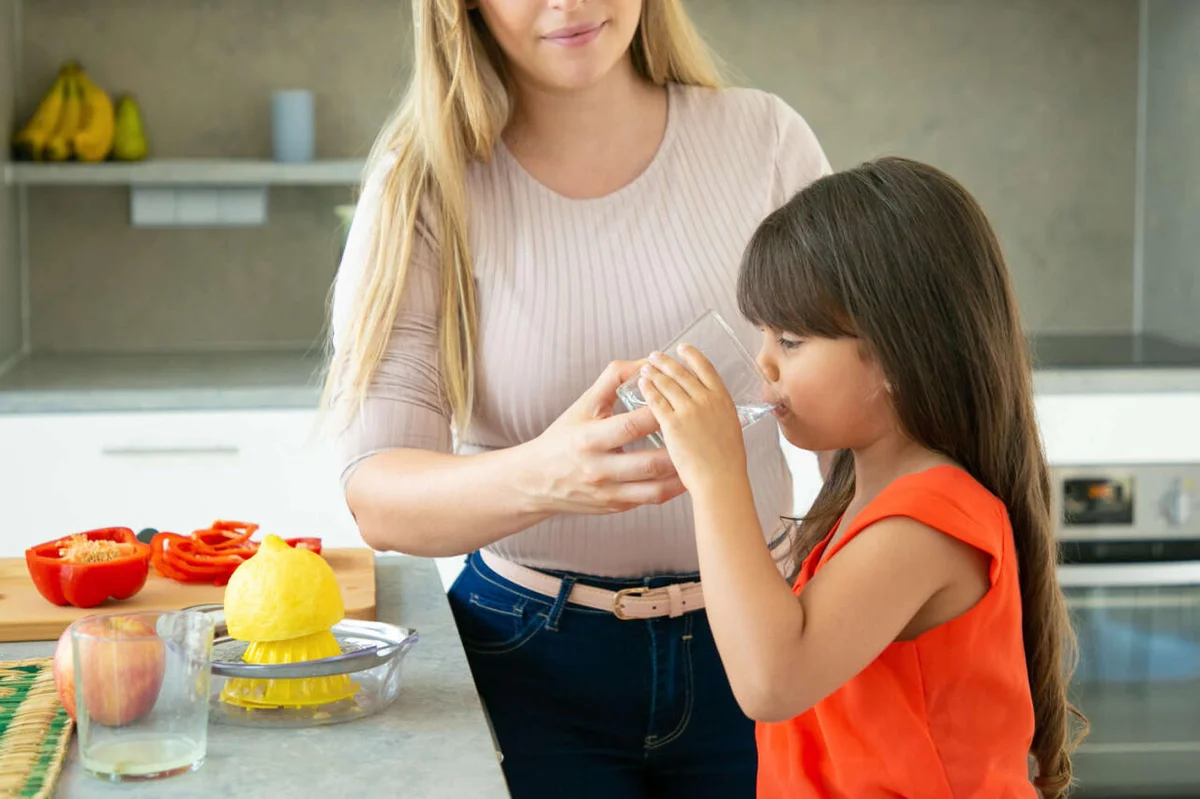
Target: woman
(564,184)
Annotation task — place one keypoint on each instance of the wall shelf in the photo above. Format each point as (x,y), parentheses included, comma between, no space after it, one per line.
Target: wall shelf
(187,172)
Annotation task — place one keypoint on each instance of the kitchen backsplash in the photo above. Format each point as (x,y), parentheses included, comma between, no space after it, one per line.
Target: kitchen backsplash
(1171,303)
(1032,103)
(10,271)
(203,72)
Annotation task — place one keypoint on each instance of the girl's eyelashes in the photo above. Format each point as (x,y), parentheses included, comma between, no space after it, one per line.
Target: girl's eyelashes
(789,343)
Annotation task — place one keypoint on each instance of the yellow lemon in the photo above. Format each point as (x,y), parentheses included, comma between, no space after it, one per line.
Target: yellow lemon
(282,593)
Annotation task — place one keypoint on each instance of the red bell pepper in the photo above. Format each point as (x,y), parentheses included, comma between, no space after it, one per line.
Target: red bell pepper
(313,544)
(226,535)
(180,558)
(211,555)
(86,569)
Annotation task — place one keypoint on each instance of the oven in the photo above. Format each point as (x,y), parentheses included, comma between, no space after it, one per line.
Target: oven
(1130,570)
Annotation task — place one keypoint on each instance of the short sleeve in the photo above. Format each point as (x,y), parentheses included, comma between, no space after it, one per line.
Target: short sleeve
(950,501)
(405,405)
(799,159)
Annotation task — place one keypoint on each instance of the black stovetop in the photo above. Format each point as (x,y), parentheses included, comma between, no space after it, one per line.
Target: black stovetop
(1111,351)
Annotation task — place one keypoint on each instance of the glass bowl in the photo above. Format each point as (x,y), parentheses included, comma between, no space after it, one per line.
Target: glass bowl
(364,679)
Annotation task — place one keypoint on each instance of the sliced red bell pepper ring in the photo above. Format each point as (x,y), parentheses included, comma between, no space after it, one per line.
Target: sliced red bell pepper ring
(211,555)
(85,569)
(164,568)
(164,562)
(226,534)
(313,544)
(186,553)
(176,556)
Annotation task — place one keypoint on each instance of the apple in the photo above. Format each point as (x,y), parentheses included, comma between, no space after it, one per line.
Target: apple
(64,673)
(121,663)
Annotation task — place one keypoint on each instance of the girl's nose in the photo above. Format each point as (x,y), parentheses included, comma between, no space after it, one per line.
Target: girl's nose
(767,364)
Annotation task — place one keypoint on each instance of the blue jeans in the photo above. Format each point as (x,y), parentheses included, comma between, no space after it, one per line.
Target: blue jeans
(586,705)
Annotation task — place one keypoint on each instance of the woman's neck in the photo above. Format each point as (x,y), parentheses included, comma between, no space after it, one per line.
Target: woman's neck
(589,142)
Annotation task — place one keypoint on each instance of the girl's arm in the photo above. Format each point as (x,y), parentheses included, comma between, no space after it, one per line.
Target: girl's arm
(782,653)
(785,653)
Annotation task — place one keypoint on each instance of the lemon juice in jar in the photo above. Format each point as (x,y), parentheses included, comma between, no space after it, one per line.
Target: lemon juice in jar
(145,758)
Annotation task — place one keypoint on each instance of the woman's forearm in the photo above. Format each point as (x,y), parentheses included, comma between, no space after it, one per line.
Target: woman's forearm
(433,504)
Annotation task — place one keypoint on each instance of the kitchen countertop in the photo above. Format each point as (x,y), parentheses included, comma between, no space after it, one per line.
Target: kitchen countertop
(1112,351)
(159,382)
(1113,363)
(433,742)
(82,383)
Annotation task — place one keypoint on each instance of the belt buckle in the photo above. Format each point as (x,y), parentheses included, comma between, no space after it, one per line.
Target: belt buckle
(641,590)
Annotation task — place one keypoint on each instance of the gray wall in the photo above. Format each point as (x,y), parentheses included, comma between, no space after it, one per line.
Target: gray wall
(1172,211)
(203,71)
(10,273)
(1030,102)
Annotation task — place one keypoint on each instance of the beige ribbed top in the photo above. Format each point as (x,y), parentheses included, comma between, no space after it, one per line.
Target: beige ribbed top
(565,286)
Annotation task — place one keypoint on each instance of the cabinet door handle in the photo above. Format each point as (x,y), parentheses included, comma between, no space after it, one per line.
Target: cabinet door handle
(149,450)
(1181,574)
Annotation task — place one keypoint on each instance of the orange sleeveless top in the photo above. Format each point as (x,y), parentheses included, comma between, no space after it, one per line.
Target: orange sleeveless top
(945,716)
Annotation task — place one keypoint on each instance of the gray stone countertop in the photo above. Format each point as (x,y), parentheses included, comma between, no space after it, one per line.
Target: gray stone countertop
(433,742)
(291,379)
(154,382)
(1114,380)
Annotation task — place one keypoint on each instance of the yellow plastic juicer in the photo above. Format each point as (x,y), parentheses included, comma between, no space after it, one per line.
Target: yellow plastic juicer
(284,602)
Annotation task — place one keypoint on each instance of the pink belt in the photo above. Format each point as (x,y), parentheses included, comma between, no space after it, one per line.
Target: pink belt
(628,603)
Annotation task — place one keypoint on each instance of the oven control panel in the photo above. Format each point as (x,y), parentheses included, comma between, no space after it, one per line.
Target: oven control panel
(1126,502)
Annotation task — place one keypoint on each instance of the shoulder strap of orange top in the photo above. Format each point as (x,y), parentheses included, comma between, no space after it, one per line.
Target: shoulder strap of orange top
(945,498)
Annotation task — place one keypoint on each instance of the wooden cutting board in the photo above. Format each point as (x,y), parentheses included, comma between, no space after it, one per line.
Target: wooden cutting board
(25,615)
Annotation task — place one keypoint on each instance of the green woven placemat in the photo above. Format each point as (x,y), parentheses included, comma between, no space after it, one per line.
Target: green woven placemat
(34,729)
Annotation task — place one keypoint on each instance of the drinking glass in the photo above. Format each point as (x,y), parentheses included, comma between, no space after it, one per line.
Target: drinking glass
(715,339)
(141,692)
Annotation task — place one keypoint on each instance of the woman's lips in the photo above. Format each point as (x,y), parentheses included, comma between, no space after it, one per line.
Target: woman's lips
(575,35)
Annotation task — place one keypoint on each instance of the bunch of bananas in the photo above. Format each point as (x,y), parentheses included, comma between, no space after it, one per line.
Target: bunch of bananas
(76,120)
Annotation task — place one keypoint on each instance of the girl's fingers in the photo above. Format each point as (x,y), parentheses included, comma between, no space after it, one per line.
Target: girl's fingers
(705,373)
(678,373)
(661,392)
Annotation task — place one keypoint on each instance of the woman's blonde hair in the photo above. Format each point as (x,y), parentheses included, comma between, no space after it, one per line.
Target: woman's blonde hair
(458,102)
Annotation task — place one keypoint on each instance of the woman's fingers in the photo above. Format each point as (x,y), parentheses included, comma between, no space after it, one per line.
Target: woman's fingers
(634,467)
(613,433)
(623,496)
(597,401)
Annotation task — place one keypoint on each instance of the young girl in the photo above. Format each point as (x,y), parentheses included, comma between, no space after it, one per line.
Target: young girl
(923,649)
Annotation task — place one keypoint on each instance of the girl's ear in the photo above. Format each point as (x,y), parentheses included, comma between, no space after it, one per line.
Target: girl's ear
(879,381)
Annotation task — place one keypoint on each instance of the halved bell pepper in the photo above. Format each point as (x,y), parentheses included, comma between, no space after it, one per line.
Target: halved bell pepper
(85,569)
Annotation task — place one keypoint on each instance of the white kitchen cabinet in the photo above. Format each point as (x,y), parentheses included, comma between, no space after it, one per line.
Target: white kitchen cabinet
(181,470)
(178,471)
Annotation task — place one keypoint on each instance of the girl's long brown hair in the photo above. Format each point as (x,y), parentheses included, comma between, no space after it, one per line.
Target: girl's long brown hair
(899,255)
